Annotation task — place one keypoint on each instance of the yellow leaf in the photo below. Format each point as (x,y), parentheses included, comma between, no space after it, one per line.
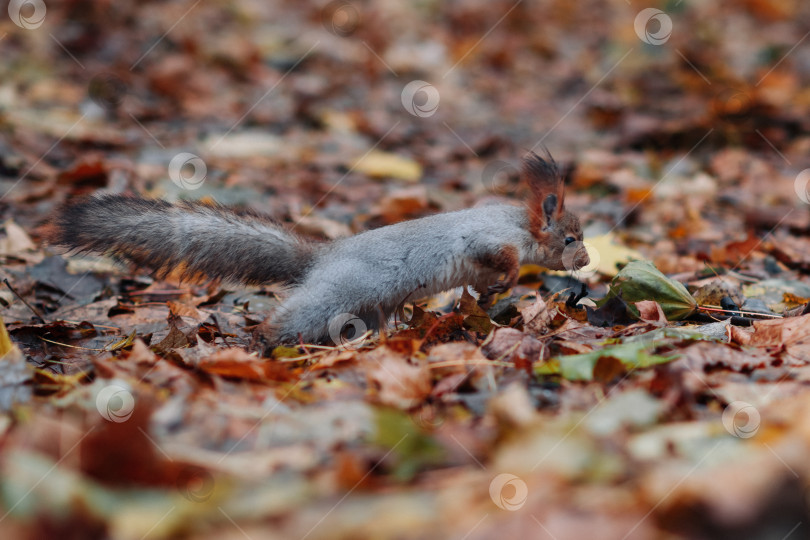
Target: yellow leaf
(339,122)
(6,345)
(387,165)
(609,253)
(9,353)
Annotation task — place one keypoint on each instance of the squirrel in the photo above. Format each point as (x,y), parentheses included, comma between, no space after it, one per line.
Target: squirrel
(368,275)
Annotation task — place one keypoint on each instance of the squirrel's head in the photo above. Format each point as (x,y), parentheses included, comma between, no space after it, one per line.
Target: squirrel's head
(556,230)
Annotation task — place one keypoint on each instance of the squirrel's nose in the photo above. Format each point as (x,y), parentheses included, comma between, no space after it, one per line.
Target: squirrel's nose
(582,259)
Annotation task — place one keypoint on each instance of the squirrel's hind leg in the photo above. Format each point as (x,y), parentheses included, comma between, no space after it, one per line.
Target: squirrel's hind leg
(316,316)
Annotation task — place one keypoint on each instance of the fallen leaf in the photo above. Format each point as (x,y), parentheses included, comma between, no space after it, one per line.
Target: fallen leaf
(704,356)
(583,367)
(379,164)
(651,312)
(609,254)
(175,339)
(16,241)
(239,364)
(475,318)
(15,373)
(243,144)
(513,406)
(640,280)
(792,334)
(537,317)
(395,379)
(509,342)
(408,447)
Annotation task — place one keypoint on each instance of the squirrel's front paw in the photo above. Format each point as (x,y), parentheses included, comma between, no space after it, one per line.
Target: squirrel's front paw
(499,287)
(496,288)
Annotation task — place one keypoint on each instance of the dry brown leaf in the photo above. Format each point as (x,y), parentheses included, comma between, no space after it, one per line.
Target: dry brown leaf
(537,317)
(650,311)
(181,309)
(397,381)
(141,353)
(509,342)
(705,355)
(792,334)
(16,241)
(238,363)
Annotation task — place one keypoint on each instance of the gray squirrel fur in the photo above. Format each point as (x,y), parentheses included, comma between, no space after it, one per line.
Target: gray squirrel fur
(367,275)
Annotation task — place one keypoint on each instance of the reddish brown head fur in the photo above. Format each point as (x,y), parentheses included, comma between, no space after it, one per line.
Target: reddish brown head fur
(545,180)
(550,223)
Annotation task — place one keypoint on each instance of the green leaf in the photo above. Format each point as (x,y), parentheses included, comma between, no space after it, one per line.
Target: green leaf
(411,449)
(639,351)
(286,352)
(604,363)
(669,336)
(641,280)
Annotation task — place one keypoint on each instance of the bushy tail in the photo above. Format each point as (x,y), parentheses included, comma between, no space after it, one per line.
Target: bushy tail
(187,240)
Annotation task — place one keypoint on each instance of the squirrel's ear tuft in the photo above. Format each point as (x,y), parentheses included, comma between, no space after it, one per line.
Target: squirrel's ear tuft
(545,180)
(550,206)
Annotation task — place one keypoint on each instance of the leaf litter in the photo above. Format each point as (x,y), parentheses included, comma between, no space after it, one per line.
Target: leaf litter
(667,402)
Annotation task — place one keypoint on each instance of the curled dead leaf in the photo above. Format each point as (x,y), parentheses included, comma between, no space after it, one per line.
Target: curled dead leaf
(650,311)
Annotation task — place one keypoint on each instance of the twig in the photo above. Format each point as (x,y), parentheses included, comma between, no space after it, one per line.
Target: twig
(71,346)
(29,306)
(754,313)
(323,350)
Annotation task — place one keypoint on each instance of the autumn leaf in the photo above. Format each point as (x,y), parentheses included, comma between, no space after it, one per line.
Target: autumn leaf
(602,364)
(387,165)
(475,318)
(410,449)
(641,280)
(397,380)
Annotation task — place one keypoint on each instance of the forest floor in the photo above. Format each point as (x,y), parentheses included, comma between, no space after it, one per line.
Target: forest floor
(665,404)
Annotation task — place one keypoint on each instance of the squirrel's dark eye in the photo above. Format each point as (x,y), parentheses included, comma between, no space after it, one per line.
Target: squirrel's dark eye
(570,240)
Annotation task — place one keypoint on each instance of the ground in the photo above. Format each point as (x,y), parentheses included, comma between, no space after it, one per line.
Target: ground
(669,402)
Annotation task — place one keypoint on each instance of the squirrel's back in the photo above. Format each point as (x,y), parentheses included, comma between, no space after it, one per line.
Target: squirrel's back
(430,254)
